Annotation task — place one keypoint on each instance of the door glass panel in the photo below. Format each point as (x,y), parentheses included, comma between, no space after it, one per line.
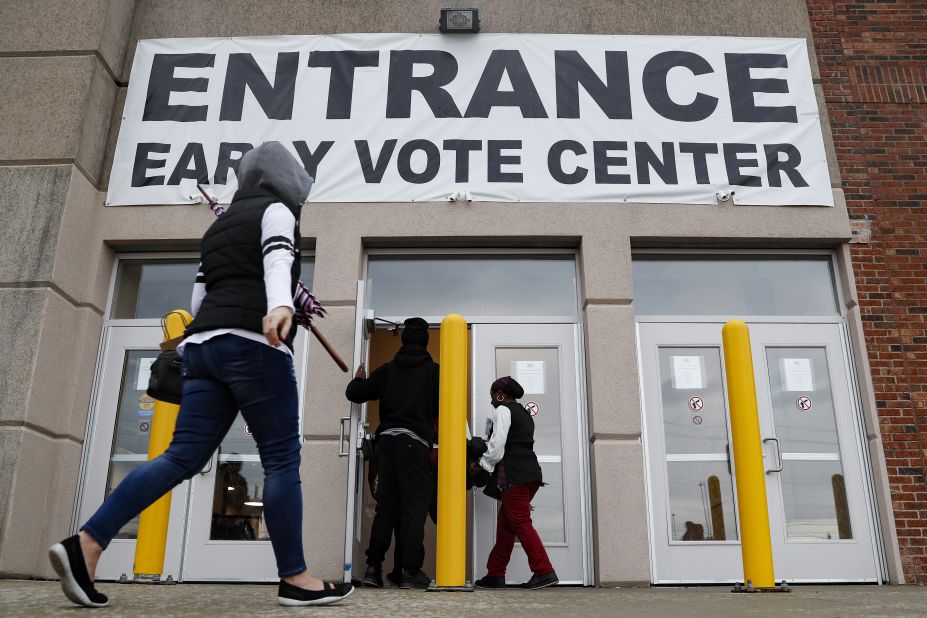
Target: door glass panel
(538,371)
(701,496)
(133,425)
(813,485)
(238,503)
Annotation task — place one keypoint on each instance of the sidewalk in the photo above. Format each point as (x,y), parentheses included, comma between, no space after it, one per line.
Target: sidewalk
(38,598)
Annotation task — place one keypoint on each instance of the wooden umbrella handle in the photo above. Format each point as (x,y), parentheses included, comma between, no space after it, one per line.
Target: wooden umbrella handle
(328,348)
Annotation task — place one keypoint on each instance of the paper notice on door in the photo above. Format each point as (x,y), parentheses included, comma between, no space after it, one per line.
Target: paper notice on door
(144,372)
(688,372)
(530,374)
(797,374)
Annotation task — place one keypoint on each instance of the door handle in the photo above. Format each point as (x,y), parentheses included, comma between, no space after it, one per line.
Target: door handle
(208,467)
(778,455)
(727,449)
(341,450)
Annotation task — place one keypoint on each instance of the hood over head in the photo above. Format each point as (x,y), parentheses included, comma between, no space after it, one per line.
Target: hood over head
(411,355)
(272,168)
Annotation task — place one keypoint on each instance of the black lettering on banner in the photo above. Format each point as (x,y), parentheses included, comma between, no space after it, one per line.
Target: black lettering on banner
(523,94)
(613,97)
(310,159)
(463,148)
(555,162)
(647,159)
(161,83)
(699,154)
(657,92)
(496,160)
(341,80)
(734,164)
(373,173)
(276,100)
(143,163)
(192,153)
(431,87)
(742,88)
(432,161)
(775,167)
(226,162)
(603,160)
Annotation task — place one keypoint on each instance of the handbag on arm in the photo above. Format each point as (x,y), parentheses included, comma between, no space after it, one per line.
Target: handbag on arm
(165,382)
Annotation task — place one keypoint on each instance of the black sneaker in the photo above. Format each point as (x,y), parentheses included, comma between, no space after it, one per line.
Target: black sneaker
(373,576)
(294,596)
(395,577)
(541,581)
(490,581)
(68,561)
(418,579)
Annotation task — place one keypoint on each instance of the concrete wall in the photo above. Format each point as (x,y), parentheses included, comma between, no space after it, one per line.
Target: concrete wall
(58,153)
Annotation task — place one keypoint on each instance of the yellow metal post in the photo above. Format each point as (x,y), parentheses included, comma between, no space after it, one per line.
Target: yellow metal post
(152,525)
(452,456)
(748,457)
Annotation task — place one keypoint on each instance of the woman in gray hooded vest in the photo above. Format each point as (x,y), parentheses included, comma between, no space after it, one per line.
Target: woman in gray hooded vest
(237,355)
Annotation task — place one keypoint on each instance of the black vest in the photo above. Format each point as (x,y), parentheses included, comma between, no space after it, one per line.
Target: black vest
(519,463)
(232,263)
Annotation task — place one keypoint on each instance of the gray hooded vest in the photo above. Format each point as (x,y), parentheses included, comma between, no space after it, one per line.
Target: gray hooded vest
(232,259)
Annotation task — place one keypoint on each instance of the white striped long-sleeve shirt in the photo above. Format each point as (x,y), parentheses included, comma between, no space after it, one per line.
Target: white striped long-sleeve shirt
(278,249)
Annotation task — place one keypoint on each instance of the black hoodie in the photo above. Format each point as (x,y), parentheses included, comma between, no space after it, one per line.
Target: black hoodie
(407,388)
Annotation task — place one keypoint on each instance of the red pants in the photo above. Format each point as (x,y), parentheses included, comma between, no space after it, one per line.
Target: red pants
(514,520)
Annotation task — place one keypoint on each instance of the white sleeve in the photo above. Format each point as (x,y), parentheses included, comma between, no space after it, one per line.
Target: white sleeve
(277,246)
(495,448)
(199,291)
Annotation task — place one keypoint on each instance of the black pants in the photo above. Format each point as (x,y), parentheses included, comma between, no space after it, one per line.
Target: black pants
(403,496)
(432,513)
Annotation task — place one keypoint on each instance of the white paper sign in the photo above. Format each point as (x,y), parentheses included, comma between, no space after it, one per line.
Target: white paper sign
(687,372)
(144,372)
(530,374)
(797,373)
(502,117)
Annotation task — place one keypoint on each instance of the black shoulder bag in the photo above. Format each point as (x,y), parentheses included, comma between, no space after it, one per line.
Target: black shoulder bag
(165,383)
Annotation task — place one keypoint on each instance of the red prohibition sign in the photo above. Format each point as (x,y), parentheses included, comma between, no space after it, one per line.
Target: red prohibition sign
(697,419)
(696,403)
(533,408)
(804,403)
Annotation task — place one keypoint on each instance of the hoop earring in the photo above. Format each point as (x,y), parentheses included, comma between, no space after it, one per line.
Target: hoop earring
(500,398)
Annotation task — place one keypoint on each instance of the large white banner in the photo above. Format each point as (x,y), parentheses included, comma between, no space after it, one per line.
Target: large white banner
(501,117)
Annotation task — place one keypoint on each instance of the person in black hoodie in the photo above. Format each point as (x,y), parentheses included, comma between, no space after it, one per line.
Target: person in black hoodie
(516,477)
(407,389)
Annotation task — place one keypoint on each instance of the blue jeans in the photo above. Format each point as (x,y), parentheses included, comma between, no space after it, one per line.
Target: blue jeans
(222,376)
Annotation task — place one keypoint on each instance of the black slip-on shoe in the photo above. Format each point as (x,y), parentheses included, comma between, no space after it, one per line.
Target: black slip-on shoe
(68,561)
(490,581)
(294,596)
(373,576)
(416,579)
(542,581)
(395,577)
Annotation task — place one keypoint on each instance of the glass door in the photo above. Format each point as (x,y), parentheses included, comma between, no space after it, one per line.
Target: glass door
(227,537)
(694,533)
(543,358)
(819,513)
(815,471)
(117,443)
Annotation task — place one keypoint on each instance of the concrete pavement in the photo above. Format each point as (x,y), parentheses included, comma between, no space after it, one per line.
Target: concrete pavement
(41,598)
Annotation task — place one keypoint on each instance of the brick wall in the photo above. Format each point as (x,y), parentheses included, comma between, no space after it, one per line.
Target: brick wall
(873,61)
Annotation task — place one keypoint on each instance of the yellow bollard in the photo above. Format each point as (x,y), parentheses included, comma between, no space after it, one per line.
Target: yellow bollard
(451,569)
(748,457)
(152,525)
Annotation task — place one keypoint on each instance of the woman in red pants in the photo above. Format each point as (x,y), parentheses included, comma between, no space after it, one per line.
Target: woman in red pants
(516,477)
